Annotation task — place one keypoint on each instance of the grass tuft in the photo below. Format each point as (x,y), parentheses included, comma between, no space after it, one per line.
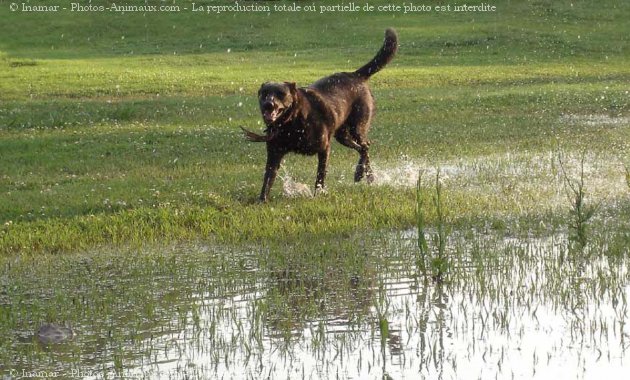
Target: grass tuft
(436,254)
(581,211)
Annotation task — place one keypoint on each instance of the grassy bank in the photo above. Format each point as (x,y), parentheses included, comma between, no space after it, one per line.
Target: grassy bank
(123,128)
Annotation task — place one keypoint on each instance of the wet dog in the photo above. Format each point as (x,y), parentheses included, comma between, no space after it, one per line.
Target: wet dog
(304,120)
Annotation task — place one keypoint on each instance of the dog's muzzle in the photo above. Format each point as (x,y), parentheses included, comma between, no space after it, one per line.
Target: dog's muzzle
(270,113)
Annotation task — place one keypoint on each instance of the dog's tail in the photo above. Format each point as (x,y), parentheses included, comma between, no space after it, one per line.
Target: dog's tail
(383,57)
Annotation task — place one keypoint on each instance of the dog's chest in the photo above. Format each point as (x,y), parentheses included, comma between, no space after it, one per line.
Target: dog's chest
(299,139)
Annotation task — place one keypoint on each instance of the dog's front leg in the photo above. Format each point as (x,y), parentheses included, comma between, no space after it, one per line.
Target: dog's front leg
(271,171)
(321,170)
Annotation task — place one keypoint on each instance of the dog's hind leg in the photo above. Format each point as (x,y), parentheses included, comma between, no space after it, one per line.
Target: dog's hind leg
(363,168)
(344,137)
(354,135)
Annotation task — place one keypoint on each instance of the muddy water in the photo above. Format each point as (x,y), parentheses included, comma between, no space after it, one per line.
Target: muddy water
(358,309)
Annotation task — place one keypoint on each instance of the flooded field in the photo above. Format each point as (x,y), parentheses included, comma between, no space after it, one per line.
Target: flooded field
(353,308)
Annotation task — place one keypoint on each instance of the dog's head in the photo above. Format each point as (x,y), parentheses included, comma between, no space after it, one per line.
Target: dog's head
(276,101)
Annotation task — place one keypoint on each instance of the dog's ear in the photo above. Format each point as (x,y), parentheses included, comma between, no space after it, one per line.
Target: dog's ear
(261,87)
(292,88)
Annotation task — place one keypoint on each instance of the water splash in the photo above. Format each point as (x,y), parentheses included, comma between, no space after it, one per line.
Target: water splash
(534,178)
(595,120)
(294,189)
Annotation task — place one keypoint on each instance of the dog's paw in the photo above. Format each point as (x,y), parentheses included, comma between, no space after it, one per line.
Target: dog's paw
(319,190)
(358,174)
(370,178)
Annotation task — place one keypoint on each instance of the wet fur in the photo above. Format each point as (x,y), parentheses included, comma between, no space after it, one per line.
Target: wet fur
(304,120)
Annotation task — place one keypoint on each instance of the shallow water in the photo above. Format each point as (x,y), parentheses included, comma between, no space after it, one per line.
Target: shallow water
(353,309)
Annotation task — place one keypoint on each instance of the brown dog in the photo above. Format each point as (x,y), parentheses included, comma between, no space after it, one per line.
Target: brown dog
(304,120)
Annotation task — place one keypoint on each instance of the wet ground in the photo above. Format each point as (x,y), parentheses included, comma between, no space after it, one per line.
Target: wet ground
(358,308)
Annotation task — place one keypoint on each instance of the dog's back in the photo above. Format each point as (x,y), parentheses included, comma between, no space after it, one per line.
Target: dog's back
(338,93)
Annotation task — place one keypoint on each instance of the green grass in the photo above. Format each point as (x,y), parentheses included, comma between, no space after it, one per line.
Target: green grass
(123,129)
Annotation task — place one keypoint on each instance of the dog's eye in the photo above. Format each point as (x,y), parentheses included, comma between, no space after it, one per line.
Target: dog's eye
(281,96)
